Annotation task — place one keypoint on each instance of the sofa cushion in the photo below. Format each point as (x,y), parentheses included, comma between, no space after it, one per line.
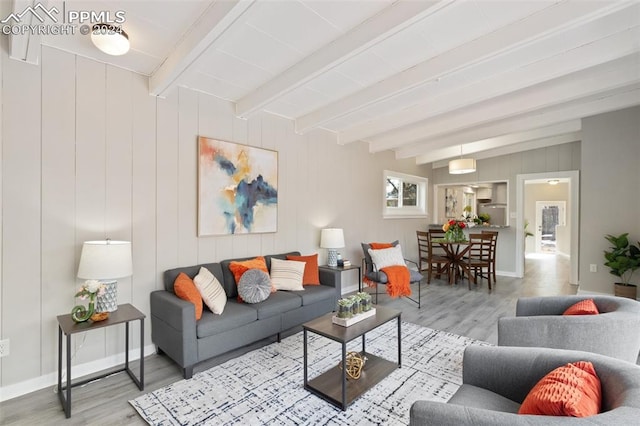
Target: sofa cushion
(254,286)
(238,268)
(186,290)
(571,390)
(473,396)
(235,315)
(277,303)
(316,293)
(311,271)
(287,274)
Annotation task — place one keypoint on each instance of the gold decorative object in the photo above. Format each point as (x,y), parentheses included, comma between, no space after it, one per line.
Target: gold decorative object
(355,363)
(99,316)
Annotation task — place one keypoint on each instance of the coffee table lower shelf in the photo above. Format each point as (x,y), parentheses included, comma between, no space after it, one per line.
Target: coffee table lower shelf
(328,385)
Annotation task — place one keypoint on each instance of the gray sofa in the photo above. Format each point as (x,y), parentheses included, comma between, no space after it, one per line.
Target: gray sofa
(497,379)
(176,333)
(539,322)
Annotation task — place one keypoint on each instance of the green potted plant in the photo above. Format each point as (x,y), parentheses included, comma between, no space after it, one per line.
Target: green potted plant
(623,259)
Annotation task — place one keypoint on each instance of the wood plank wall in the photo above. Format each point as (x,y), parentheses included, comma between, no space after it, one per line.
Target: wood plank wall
(88,154)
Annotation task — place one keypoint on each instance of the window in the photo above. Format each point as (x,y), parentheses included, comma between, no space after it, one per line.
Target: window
(404,195)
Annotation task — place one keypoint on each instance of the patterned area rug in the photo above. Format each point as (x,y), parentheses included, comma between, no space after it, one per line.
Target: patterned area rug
(265,386)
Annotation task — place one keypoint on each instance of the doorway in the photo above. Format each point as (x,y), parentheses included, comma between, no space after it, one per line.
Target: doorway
(570,230)
(549,215)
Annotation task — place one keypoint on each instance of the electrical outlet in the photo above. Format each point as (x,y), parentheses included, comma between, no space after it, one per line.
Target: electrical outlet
(593,267)
(4,347)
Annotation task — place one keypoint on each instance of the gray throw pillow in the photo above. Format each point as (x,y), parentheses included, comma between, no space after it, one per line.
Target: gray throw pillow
(254,286)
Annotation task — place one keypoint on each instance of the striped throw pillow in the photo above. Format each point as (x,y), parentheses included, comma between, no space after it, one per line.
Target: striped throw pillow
(211,291)
(287,274)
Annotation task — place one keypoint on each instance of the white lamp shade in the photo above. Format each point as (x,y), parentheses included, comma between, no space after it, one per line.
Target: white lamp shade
(332,238)
(110,39)
(462,165)
(105,260)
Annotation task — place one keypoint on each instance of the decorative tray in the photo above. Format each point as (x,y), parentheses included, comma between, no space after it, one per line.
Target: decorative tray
(346,322)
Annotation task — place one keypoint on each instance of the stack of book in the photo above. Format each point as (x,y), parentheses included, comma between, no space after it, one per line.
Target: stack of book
(344,263)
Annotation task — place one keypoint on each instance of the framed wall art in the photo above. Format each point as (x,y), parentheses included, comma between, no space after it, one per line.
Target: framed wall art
(237,188)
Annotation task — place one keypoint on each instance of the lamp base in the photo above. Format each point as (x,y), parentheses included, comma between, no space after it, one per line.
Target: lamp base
(108,302)
(332,257)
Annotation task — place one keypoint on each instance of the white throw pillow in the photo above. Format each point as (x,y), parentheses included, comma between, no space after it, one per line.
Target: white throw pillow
(287,274)
(387,257)
(211,290)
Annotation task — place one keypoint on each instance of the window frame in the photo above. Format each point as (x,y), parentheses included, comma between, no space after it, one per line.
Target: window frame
(405,212)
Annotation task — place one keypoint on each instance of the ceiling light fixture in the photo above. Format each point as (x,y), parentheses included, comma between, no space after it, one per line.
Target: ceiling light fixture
(111,39)
(461,165)
(553,182)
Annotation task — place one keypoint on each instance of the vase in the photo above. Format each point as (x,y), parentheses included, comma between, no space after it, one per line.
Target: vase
(81,314)
(454,235)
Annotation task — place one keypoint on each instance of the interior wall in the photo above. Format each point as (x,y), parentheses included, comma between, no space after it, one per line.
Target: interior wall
(506,168)
(88,154)
(545,192)
(610,198)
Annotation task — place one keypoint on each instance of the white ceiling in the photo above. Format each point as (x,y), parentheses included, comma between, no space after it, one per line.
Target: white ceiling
(426,79)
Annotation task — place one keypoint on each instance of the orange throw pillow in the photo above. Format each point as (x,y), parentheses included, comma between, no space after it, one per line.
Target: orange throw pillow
(186,290)
(311,273)
(378,246)
(583,307)
(239,268)
(571,390)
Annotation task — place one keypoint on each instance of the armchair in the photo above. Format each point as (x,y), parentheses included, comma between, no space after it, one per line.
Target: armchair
(539,322)
(496,380)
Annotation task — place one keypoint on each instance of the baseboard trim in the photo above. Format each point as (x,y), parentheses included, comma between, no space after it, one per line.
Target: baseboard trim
(80,370)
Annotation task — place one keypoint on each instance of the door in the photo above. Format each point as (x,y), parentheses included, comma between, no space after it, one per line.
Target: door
(549,214)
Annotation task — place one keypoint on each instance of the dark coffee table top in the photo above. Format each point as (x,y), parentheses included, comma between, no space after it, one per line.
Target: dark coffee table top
(325,327)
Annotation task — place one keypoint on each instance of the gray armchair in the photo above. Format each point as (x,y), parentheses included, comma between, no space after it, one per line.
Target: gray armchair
(539,322)
(497,379)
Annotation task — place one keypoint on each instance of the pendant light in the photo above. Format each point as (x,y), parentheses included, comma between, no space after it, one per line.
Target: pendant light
(461,165)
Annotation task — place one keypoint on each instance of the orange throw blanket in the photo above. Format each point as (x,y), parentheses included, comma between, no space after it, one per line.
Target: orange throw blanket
(398,277)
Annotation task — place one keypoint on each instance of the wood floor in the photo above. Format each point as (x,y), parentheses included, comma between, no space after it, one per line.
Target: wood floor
(457,309)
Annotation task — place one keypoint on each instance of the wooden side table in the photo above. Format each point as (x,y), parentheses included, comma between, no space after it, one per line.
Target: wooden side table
(339,270)
(125,314)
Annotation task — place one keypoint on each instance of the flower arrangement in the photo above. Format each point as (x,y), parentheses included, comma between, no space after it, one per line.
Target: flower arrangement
(453,230)
(89,290)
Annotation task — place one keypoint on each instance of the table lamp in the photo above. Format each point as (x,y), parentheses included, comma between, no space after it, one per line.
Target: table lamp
(106,261)
(332,239)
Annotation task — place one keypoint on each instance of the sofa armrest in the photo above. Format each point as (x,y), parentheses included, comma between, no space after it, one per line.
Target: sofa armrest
(177,313)
(613,334)
(173,329)
(329,278)
(442,414)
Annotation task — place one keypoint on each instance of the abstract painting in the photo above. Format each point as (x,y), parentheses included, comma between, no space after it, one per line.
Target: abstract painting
(450,203)
(237,188)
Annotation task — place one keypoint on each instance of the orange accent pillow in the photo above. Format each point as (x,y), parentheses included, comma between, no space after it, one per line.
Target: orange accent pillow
(583,307)
(239,268)
(185,289)
(378,246)
(571,390)
(311,273)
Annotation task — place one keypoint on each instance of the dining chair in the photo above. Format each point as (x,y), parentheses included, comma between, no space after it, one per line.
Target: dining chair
(494,243)
(479,258)
(432,254)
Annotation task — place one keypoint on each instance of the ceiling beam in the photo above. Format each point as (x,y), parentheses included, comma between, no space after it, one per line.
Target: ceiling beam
(619,99)
(215,20)
(580,53)
(582,84)
(572,128)
(558,17)
(391,20)
(25,46)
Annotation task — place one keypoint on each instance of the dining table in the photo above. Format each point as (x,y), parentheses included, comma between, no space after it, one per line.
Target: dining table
(455,250)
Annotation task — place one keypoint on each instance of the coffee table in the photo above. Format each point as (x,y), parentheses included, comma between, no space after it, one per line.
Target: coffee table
(333,385)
